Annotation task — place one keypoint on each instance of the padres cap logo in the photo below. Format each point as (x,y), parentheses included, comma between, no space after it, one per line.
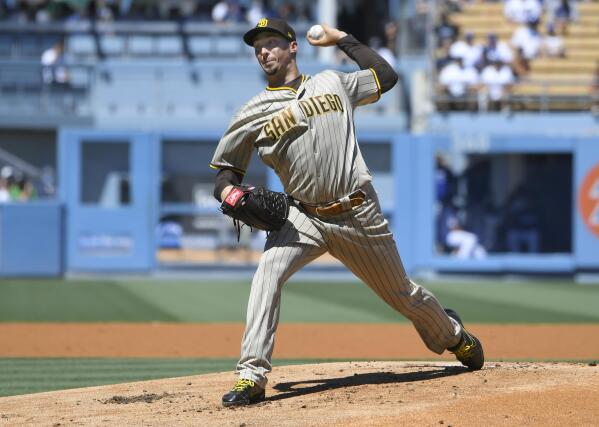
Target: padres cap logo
(262,23)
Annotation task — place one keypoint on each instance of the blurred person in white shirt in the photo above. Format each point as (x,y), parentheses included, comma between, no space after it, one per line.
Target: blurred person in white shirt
(459,83)
(467,50)
(522,11)
(54,70)
(528,39)
(496,50)
(463,244)
(553,45)
(497,79)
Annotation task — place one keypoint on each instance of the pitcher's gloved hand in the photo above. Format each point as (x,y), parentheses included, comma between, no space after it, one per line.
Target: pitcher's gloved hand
(257,207)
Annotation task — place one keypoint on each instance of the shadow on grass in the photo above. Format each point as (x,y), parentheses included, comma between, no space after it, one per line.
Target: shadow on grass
(299,388)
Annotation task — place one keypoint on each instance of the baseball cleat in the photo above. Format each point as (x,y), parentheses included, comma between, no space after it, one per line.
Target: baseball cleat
(469,350)
(245,392)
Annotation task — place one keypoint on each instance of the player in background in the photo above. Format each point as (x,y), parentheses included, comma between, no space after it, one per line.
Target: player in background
(302,127)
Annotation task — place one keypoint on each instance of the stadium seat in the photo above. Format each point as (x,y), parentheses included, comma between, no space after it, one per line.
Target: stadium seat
(169,46)
(140,46)
(112,45)
(200,45)
(29,46)
(81,46)
(6,43)
(228,45)
(79,77)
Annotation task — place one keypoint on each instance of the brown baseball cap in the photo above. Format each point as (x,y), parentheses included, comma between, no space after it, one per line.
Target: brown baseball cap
(274,25)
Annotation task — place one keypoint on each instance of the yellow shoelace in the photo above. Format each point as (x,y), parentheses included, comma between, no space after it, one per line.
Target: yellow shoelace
(242,384)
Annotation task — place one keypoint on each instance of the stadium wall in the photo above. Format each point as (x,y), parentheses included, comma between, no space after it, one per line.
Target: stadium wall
(100,239)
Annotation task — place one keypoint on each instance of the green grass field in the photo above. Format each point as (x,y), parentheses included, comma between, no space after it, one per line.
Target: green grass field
(191,301)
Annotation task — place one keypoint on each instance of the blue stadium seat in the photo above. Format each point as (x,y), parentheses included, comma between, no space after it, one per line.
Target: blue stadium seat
(200,45)
(140,45)
(81,46)
(20,77)
(112,45)
(29,46)
(5,45)
(169,46)
(79,78)
(228,45)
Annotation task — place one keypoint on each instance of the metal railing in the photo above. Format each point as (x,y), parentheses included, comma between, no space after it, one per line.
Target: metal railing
(526,95)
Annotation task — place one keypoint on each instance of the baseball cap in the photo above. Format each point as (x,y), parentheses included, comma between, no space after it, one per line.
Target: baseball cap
(274,25)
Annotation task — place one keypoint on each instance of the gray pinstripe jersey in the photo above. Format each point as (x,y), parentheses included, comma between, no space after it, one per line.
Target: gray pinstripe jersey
(307,135)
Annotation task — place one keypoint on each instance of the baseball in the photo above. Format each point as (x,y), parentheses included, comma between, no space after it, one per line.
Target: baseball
(316,32)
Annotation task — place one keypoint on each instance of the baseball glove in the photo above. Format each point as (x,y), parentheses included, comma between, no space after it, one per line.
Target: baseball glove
(257,207)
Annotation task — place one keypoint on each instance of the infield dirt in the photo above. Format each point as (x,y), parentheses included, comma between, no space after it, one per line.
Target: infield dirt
(336,394)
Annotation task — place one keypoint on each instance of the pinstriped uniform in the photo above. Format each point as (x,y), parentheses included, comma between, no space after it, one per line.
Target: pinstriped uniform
(307,136)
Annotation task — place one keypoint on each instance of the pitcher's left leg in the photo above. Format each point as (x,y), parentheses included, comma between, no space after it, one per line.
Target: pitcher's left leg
(363,242)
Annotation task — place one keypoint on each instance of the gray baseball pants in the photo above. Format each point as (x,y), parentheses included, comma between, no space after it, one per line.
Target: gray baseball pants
(361,240)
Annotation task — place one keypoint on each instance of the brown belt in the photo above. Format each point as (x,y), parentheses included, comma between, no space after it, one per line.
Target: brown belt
(336,207)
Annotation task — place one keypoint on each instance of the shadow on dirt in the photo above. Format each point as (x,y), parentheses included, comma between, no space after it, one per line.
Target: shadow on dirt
(300,388)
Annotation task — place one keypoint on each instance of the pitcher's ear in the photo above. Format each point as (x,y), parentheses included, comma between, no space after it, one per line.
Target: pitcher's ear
(293,47)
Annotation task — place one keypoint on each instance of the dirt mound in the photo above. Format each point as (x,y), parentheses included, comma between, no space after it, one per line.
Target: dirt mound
(344,394)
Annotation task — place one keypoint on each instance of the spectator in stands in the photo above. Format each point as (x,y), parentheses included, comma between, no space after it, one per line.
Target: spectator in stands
(459,83)
(446,32)
(27,190)
(287,12)
(375,44)
(5,182)
(497,79)
(453,5)
(227,11)
(564,13)
(4,193)
(391,31)
(520,65)
(54,70)
(443,59)
(522,11)
(496,50)
(463,244)
(257,11)
(528,39)
(469,52)
(553,45)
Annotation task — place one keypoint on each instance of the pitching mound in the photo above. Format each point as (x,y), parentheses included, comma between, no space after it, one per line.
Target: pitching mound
(344,394)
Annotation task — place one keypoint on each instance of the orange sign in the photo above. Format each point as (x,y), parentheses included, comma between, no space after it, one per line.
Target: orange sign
(588,200)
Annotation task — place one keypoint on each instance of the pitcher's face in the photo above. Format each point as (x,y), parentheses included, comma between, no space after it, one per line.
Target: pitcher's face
(273,52)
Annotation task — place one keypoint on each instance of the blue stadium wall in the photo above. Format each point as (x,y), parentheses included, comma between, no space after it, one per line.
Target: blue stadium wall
(67,236)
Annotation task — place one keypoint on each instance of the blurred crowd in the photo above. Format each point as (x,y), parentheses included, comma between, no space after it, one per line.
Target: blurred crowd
(480,73)
(43,11)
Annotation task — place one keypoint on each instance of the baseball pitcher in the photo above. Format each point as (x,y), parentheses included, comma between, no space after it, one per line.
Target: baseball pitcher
(302,127)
